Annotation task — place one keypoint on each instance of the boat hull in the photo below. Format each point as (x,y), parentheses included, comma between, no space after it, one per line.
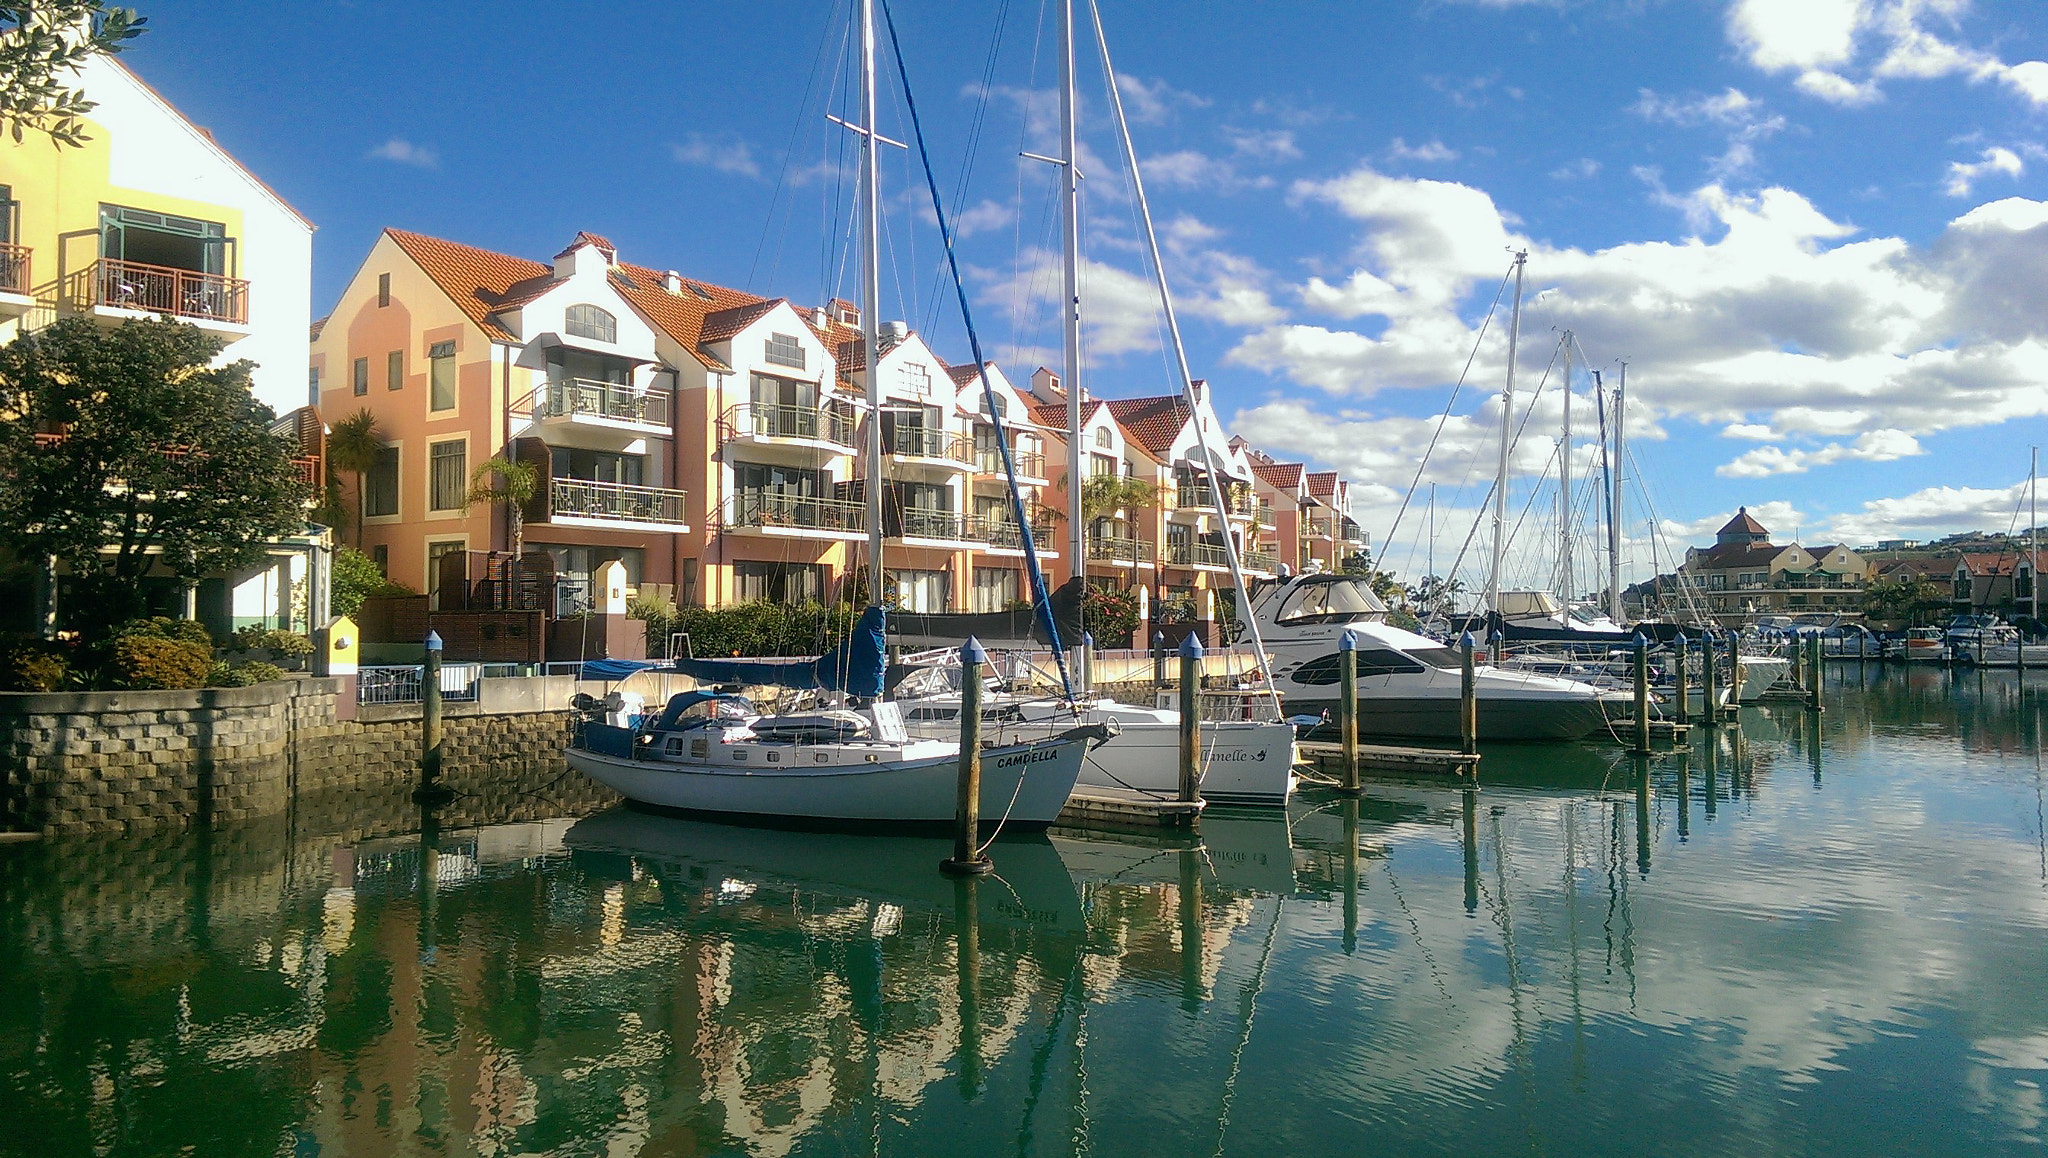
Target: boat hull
(1024,785)
(1242,763)
(1437,717)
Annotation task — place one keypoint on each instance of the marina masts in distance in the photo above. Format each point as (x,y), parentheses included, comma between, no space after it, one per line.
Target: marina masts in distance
(1564,484)
(1614,508)
(1500,481)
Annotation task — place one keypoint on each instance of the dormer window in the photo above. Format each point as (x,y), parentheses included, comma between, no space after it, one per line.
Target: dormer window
(1002,406)
(784,350)
(1102,437)
(593,322)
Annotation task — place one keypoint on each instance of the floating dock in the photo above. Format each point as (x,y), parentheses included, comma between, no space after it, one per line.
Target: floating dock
(1122,810)
(1328,758)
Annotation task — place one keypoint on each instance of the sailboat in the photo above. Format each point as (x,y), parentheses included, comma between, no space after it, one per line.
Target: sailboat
(1244,761)
(708,753)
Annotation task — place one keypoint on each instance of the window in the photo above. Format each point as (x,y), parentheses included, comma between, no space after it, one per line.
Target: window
(1102,440)
(435,553)
(448,475)
(441,376)
(577,565)
(394,370)
(919,591)
(1372,661)
(380,484)
(1329,601)
(995,589)
(381,556)
(599,465)
(1002,406)
(160,239)
(593,322)
(913,378)
(1101,466)
(313,386)
(791,583)
(360,376)
(8,208)
(383,290)
(784,350)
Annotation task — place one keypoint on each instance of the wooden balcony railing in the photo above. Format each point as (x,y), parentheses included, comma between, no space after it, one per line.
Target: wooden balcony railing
(14,269)
(160,289)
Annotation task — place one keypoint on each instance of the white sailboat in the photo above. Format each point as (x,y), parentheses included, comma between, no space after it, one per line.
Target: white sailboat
(706,754)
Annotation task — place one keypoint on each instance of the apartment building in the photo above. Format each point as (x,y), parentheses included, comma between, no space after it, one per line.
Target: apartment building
(1744,574)
(151,217)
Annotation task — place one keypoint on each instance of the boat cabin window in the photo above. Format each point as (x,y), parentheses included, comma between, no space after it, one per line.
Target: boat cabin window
(1372,661)
(1329,601)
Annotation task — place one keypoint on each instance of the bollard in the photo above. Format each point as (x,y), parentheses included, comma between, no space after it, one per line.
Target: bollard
(1158,664)
(431,791)
(1468,698)
(1499,648)
(1813,673)
(1086,674)
(1710,714)
(967,858)
(1347,706)
(1678,679)
(1734,674)
(1191,718)
(1642,666)
(1798,676)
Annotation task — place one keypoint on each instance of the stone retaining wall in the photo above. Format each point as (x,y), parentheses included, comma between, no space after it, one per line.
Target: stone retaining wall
(95,761)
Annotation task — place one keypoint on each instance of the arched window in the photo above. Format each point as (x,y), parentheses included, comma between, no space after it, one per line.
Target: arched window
(1002,405)
(1102,437)
(593,322)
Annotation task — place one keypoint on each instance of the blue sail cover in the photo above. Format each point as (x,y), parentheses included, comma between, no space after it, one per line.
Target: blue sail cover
(854,667)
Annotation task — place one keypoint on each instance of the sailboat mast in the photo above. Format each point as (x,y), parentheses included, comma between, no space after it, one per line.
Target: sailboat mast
(871,290)
(2034,531)
(1614,503)
(1070,316)
(1564,484)
(1500,481)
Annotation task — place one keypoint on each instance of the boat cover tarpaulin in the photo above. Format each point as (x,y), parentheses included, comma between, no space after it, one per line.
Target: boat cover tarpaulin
(997,629)
(610,670)
(854,667)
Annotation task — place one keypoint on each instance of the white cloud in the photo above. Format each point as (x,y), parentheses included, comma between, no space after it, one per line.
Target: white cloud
(982,217)
(404,152)
(1265,144)
(1583,169)
(1431,150)
(1872,446)
(2030,79)
(1739,116)
(1150,102)
(1188,169)
(1828,43)
(1962,176)
(1795,34)
(723,153)
(1933,511)
(1837,89)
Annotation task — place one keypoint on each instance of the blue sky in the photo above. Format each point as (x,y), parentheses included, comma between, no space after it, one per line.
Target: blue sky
(1815,229)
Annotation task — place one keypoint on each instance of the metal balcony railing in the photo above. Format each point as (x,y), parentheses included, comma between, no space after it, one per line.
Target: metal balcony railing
(160,289)
(1029,464)
(1257,560)
(779,420)
(590,499)
(927,442)
(1197,555)
(771,509)
(918,523)
(1119,549)
(1189,496)
(1002,531)
(14,269)
(570,397)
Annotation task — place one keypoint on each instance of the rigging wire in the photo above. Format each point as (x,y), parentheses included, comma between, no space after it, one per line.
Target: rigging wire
(789,155)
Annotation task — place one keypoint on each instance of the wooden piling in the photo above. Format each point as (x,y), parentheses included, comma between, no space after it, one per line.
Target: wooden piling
(431,793)
(1347,707)
(1468,698)
(1680,649)
(967,858)
(1158,664)
(1642,672)
(1709,682)
(1813,671)
(1191,718)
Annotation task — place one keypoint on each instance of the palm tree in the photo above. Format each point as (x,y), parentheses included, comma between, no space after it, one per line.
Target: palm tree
(498,479)
(353,445)
(1104,495)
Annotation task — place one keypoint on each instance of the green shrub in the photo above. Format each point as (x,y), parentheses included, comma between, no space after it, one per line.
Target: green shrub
(144,660)
(164,627)
(1110,615)
(763,629)
(34,665)
(286,643)
(223,676)
(258,672)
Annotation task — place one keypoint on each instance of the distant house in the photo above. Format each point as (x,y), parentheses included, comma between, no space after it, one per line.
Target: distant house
(1993,581)
(1744,575)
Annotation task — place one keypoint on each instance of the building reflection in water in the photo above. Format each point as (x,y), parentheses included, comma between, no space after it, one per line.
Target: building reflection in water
(1431,966)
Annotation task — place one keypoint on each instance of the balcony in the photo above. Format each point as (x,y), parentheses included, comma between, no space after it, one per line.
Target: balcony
(615,405)
(589,503)
(801,516)
(1120,550)
(1321,527)
(929,444)
(1197,496)
(1002,533)
(1263,516)
(1353,533)
(1197,555)
(1259,560)
(919,523)
(15,299)
(1029,464)
(821,426)
(114,291)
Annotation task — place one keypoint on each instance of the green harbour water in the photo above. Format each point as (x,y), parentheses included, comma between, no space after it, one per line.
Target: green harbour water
(1809,935)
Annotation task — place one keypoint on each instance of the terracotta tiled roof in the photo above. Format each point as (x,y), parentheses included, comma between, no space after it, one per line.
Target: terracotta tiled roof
(1988,563)
(680,315)
(1053,414)
(1153,423)
(1743,524)
(852,355)
(725,323)
(611,251)
(313,331)
(1924,568)
(1724,556)
(1284,475)
(968,374)
(1322,484)
(475,279)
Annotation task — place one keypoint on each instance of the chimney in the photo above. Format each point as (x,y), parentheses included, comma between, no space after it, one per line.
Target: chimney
(819,319)
(1200,389)
(672,281)
(1045,386)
